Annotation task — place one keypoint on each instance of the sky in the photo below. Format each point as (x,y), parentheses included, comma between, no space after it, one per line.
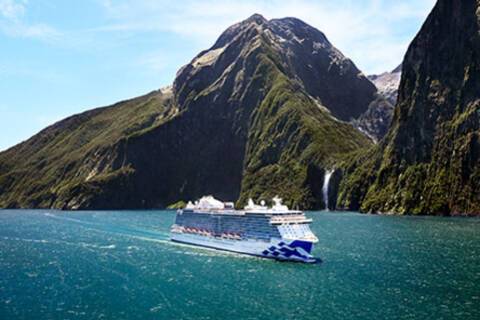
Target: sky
(62,57)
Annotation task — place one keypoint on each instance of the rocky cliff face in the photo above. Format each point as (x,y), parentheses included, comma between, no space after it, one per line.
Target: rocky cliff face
(387,84)
(429,162)
(262,112)
(377,119)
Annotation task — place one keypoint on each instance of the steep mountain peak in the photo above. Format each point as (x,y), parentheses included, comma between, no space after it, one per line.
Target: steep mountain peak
(377,119)
(301,51)
(387,83)
(252,22)
(256,18)
(246,118)
(293,26)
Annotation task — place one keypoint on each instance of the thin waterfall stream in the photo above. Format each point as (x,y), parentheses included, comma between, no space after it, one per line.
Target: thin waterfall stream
(326,181)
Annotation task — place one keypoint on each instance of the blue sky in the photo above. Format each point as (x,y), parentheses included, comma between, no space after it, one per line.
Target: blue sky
(62,57)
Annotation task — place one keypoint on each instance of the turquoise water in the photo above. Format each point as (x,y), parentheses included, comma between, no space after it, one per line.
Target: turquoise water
(120,265)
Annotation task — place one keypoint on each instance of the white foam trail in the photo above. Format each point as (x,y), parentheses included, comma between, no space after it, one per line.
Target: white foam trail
(64,218)
(112,246)
(145,238)
(193,250)
(209,252)
(26,240)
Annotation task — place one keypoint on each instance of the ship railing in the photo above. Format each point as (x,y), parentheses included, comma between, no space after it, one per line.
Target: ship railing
(205,232)
(191,230)
(231,235)
(309,237)
(219,211)
(289,220)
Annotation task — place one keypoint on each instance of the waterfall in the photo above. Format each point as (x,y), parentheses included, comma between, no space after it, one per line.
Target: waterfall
(326,180)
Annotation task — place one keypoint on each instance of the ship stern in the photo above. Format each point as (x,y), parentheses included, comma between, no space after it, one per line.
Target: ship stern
(293,250)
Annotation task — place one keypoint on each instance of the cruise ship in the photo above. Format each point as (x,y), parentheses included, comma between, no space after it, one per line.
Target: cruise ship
(271,232)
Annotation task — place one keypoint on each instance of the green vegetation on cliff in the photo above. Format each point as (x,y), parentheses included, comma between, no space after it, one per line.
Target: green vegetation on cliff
(429,162)
(291,142)
(77,155)
(243,119)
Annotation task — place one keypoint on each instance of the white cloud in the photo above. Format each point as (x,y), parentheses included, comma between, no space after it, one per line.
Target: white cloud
(13,24)
(368,31)
(11,9)
(37,31)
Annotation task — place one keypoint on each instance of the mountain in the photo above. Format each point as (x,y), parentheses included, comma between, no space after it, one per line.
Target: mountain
(377,119)
(429,162)
(264,111)
(387,84)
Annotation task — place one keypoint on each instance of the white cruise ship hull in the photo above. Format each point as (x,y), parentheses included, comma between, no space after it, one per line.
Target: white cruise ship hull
(276,248)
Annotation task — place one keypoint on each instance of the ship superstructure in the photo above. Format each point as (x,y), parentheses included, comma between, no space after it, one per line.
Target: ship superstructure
(272,232)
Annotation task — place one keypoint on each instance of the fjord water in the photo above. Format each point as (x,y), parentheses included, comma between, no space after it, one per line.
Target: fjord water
(121,265)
